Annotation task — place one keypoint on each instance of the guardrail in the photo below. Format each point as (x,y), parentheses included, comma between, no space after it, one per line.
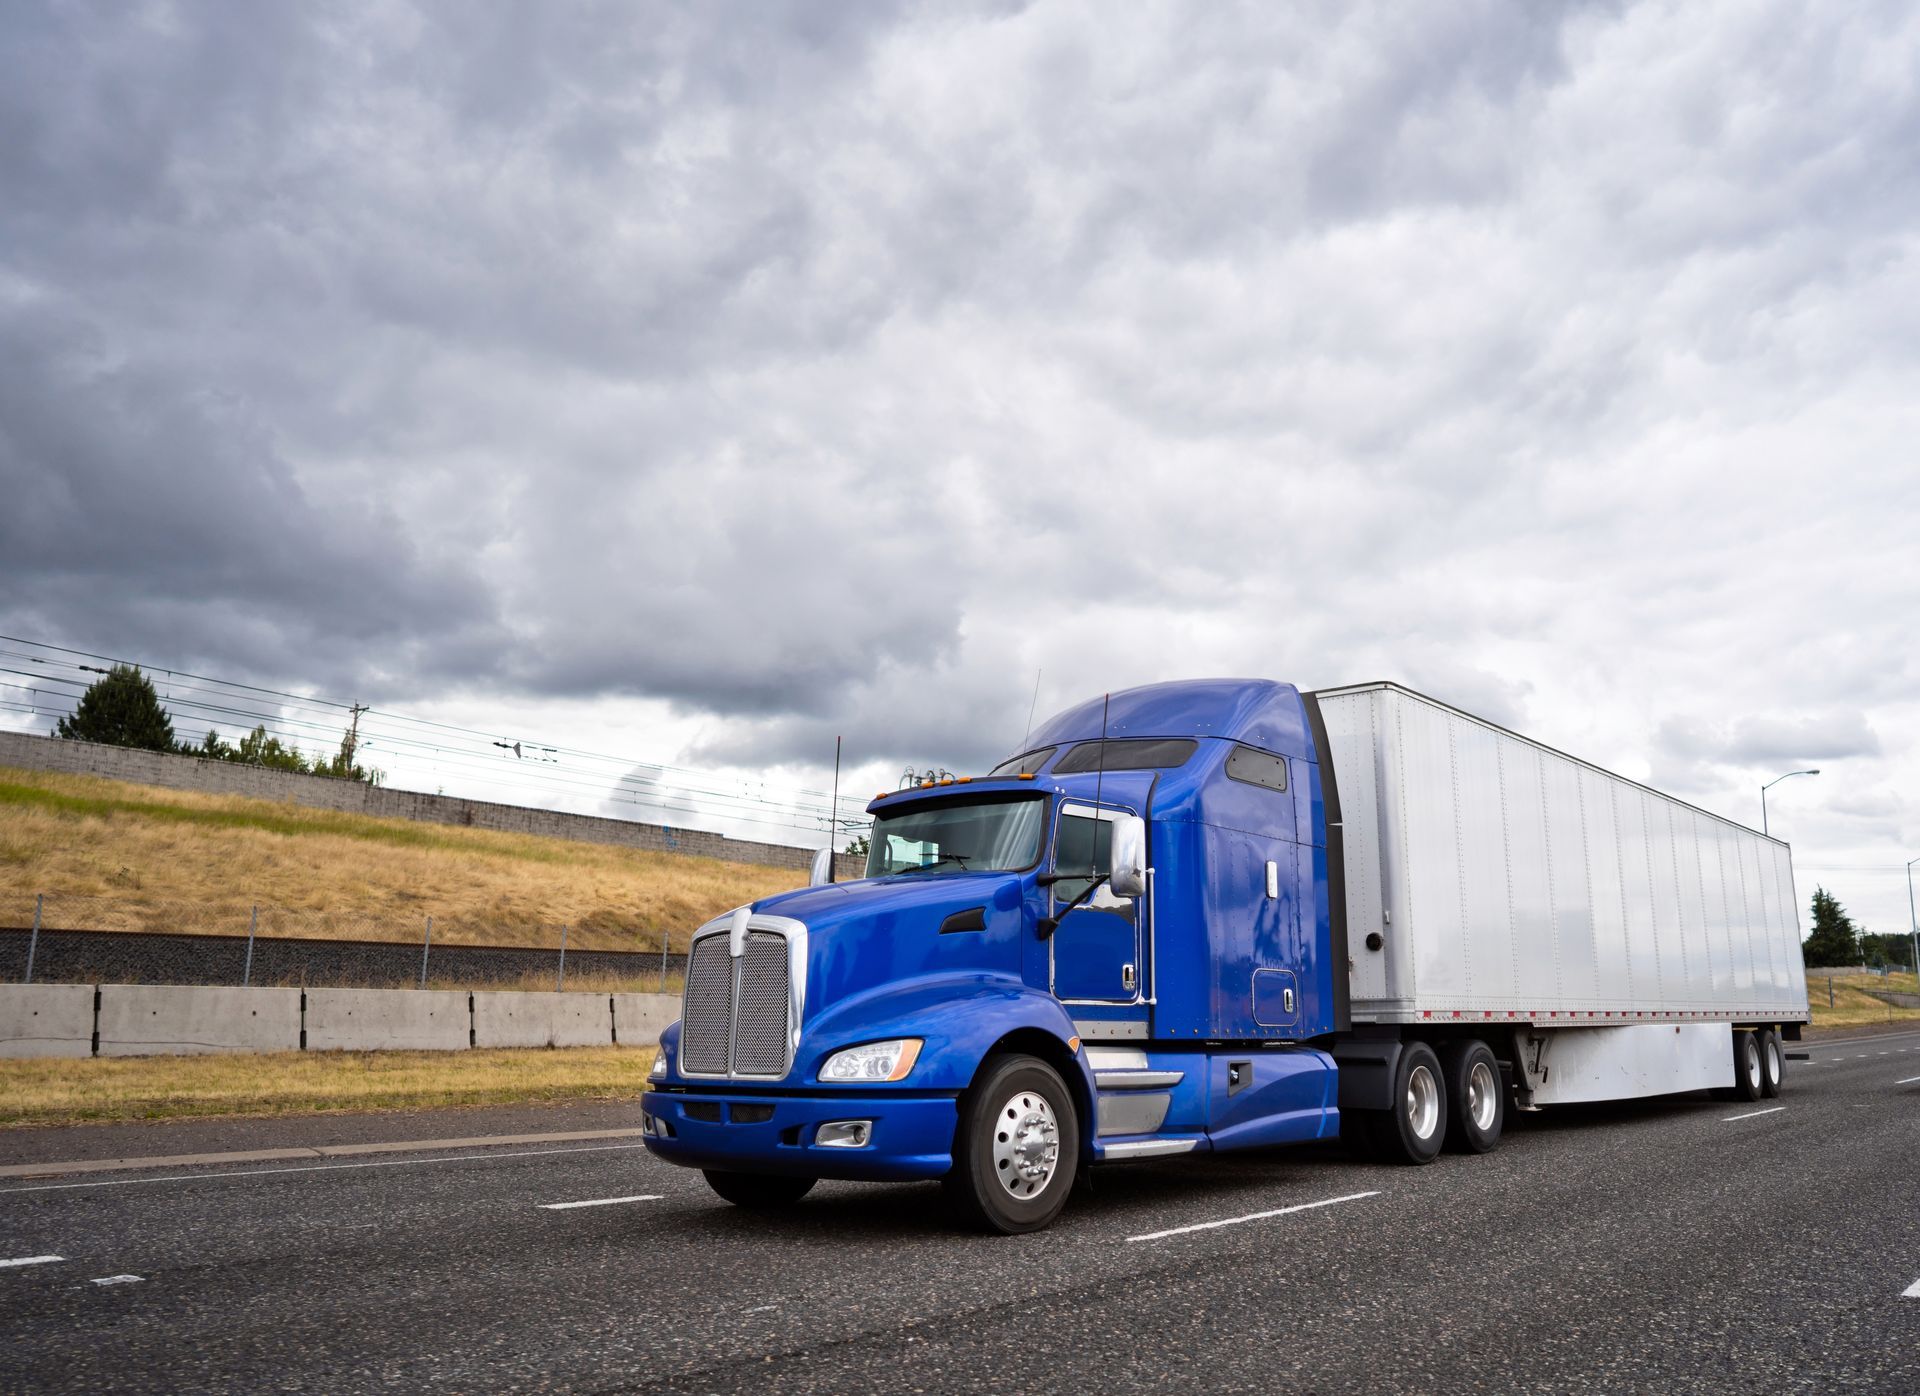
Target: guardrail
(130,1020)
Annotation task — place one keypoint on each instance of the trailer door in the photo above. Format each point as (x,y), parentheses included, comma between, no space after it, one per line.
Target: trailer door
(1094,953)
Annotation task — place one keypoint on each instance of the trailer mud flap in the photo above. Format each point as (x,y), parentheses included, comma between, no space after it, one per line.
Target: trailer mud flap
(1366,1074)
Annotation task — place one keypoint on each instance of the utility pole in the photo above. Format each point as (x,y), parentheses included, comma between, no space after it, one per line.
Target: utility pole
(353,733)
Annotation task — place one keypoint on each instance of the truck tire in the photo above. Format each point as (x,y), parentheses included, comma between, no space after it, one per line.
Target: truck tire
(1412,1131)
(1773,1063)
(1476,1097)
(1017,1149)
(1748,1074)
(760,1192)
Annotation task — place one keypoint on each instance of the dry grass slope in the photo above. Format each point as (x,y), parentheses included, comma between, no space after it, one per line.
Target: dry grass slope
(57,1092)
(1854,1002)
(173,860)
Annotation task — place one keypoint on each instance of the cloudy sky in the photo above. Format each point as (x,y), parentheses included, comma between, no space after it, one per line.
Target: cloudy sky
(701,382)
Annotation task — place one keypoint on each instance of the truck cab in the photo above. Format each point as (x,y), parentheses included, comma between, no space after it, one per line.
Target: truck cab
(1121,942)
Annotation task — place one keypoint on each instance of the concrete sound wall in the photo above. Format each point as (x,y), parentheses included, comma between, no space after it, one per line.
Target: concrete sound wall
(127,1020)
(46,1020)
(391,1020)
(34,753)
(638,1018)
(505,1018)
(137,1020)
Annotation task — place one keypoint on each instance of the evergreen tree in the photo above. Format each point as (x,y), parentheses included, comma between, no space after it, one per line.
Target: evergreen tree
(120,710)
(1835,939)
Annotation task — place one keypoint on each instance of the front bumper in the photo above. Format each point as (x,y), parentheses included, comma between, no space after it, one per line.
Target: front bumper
(912,1136)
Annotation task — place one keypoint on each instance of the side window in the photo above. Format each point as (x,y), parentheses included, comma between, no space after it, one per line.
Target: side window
(1257,768)
(1082,844)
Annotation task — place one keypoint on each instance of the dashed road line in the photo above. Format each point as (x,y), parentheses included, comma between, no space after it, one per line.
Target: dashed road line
(599,1202)
(1753,1114)
(117,1280)
(1908,1082)
(1253,1216)
(1912,1291)
(30,1260)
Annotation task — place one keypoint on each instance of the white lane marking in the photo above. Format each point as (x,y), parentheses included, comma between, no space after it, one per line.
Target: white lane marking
(759,1308)
(1753,1114)
(1908,1082)
(117,1280)
(1253,1216)
(317,1168)
(1912,1291)
(30,1260)
(599,1202)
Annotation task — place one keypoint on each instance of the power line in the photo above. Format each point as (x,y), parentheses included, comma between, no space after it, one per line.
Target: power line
(699,795)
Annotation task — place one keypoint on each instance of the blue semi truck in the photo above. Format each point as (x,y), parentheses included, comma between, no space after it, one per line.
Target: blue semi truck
(1155,932)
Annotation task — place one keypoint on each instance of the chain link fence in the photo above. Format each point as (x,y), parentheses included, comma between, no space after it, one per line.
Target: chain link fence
(74,939)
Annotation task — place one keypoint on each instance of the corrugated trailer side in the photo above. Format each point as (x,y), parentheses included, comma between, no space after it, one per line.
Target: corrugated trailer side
(1493,879)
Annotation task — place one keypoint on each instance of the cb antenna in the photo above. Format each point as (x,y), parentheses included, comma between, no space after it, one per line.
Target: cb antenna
(833,814)
(1100,771)
(1030,709)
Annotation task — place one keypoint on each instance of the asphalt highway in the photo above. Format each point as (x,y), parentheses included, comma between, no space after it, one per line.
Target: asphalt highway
(1684,1244)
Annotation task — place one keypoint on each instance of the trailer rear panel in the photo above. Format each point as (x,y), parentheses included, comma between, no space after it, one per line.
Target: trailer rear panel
(1506,881)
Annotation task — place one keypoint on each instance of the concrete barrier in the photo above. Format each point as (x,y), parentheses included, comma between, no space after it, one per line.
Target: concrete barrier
(46,1020)
(537,1019)
(384,1020)
(138,1020)
(638,1018)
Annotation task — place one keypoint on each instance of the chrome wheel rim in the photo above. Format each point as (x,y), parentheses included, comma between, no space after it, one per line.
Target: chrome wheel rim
(1423,1102)
(1026,1144)
(1481,1100)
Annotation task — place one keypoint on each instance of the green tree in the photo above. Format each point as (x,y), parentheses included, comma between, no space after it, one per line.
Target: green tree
(121,710)
(1835,939)
(859,846)
(258,749)
(1894,950)
(211,748)
(343,766)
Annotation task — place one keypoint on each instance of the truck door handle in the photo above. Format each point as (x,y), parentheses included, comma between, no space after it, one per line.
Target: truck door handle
(1126,976)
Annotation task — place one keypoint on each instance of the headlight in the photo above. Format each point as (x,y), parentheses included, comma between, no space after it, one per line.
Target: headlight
(659,1069)
(877,1061)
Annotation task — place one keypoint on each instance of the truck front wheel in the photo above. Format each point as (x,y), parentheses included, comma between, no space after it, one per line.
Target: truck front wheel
(760,1192)
(1017,1148)
(1476,1098)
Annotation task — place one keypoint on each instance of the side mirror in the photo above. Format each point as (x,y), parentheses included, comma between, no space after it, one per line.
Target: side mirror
(822,872)
(1129,860)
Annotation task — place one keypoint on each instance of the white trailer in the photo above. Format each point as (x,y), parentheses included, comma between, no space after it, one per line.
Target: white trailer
(1613,941)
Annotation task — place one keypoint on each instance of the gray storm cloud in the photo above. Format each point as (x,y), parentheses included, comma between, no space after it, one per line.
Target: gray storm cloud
(833,369)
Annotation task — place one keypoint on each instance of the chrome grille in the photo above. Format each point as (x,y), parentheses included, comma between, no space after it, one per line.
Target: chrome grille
(760,1028)
(707,1014)
(737,1016)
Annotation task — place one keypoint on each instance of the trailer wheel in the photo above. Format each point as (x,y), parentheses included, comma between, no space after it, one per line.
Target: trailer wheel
(1017,1148)
(1749,1076)
(1476,1098)
(760,1192)
(1773,1065)
(1412,1130)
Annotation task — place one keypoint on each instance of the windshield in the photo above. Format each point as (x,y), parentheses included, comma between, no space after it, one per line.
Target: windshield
(994,835)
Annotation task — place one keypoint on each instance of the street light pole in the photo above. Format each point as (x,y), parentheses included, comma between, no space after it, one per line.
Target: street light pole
(1769,785)
(1913,922)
